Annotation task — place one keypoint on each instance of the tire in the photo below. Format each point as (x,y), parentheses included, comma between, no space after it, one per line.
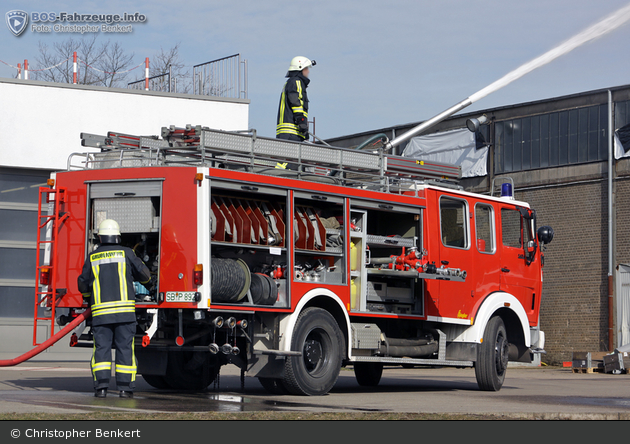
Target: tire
(320,340)
(492,357)
(368,374)
(273,386)
(157,381)
(190,370)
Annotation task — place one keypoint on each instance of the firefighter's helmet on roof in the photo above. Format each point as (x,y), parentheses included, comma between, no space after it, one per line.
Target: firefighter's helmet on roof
(299,63)
(109,232)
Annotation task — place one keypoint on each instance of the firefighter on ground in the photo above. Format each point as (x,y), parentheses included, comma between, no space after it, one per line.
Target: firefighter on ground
(107,283)
(293,109)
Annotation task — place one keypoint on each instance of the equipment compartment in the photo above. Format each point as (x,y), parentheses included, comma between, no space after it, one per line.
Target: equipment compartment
(318,230)
(248,245)
(386,250)
(136,205)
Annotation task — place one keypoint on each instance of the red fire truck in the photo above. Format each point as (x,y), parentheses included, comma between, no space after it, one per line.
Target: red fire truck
(343,258)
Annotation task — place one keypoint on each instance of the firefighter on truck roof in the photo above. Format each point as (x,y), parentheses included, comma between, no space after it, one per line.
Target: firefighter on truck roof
(107,283)
(293,108)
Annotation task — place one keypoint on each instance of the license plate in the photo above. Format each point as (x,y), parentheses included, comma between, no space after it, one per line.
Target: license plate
(180,296)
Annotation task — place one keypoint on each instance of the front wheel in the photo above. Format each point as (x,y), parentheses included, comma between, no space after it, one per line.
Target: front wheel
(368,374)
(492,357)
(320,340)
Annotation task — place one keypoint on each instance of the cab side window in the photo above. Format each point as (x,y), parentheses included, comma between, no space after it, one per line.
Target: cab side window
(484,228)
(511,228)
(453,222)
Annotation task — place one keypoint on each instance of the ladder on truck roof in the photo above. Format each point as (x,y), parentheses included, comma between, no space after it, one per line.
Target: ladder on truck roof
(46,278)
(196,145)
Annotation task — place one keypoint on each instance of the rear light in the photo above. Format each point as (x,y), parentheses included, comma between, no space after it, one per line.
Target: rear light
(44,276)
(199,178)
(198,275)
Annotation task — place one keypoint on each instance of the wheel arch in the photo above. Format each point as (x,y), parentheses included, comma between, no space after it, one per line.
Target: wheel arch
(513,326)
(326,300)
(511,312)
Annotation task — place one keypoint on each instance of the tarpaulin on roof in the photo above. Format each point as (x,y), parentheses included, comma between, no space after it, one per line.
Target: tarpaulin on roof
(622,142)
(458,147)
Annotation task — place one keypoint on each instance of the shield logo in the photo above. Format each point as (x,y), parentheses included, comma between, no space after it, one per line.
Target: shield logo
(17,21)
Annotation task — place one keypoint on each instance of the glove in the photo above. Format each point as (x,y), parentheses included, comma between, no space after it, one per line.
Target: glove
(302,124)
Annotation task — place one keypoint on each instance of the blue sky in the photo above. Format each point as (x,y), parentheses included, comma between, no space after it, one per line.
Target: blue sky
(378,63)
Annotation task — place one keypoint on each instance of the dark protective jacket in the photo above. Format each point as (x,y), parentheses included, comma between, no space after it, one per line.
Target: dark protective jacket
(107,280)
(293,105)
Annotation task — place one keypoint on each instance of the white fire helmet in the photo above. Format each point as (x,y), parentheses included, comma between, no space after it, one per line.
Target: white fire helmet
(109,227)
(299,63)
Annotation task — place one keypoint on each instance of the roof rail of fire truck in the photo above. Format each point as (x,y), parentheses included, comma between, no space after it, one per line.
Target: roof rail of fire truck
(246,151)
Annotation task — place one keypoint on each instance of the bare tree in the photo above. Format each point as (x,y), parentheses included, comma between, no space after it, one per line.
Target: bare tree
(113,61)
(100,57)
(49,57)
(169,61)
(90,54)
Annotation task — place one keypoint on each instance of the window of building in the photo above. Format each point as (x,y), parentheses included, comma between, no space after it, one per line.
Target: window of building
(453,222)
(553,139)
(511,228)
(484,228)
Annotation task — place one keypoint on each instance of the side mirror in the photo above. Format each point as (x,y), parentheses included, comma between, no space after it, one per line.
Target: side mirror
(545,235)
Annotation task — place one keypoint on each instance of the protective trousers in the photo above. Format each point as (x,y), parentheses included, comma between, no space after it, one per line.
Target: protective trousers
(121,336)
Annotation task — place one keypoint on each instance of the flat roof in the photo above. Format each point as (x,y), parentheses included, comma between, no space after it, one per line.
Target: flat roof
(123,90)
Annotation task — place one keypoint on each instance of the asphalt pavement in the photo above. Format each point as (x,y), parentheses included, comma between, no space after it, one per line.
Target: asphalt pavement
(542,392)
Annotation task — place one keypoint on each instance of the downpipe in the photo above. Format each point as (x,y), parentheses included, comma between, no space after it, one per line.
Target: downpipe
(48,343)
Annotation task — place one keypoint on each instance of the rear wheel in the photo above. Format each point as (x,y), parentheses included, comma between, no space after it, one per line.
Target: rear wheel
(368,374)
(492,357)
(320,340)
(156,381)
(190,370)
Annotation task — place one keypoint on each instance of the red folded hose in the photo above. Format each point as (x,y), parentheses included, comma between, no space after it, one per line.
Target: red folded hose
(44,345)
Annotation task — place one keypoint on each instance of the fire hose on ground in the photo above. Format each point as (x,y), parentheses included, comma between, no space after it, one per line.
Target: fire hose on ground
(48,343)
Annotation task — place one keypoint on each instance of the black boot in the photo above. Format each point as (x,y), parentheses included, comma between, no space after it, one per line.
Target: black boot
(126,394)
(101,393)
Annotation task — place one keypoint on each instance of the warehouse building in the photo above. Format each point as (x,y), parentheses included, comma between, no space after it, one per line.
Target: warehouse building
(556,152)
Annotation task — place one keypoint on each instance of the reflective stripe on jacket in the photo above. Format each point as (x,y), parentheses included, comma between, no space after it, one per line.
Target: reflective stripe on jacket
(107,280)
